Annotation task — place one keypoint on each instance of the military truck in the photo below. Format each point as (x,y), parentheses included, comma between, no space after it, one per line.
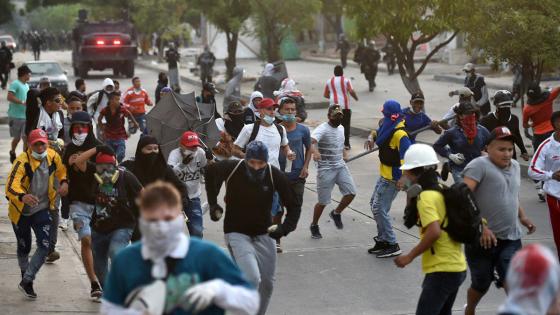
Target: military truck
(102,45)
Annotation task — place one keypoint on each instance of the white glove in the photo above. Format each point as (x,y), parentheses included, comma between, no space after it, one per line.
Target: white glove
(202,295)
(457,158)
(149,299)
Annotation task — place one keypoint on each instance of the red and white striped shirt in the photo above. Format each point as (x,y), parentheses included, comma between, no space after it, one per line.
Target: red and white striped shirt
(545,162)
(339,89)
(135,102)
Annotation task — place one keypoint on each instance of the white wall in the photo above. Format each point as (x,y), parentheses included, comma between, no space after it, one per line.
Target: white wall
(247,46)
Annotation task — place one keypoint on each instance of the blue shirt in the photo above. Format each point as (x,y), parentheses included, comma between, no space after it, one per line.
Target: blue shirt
(414,121)
(204,262)
(20,90)
(298,139)
(457,142)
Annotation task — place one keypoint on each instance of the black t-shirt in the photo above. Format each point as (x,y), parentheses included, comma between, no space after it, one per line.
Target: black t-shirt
(115,206)
(81,185)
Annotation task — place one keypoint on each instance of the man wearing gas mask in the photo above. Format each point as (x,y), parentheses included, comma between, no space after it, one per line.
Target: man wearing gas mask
(502,117)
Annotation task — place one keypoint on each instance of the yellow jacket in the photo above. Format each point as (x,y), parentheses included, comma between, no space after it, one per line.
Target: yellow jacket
(19,180)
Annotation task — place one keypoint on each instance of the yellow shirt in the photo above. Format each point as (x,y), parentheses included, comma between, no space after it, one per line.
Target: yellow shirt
(446,255)
(390,172)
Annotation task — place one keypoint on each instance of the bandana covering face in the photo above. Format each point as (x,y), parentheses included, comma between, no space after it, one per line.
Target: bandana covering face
(468,123)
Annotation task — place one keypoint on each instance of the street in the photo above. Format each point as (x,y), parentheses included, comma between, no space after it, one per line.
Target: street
(334,275)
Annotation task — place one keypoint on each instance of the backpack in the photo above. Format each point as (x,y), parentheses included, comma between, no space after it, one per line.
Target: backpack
(255,131)
(464,223)
(388,156)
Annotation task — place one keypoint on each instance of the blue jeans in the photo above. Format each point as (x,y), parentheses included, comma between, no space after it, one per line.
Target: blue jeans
(105,247)
(141,120)
(118,146)
(40,223)
(194,213)
(457,175)
(383,195)
(439,291)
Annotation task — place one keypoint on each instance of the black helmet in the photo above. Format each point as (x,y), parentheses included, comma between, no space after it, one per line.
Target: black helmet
(534,90)
(465,108)
(503,98)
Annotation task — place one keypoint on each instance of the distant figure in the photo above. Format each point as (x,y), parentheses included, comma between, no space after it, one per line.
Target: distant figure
(206,62)
(173,57)
(5,61)
(162,82)
(475,82)
(370,59)
(267,84)
(389,57)
(36,43)
(344,46)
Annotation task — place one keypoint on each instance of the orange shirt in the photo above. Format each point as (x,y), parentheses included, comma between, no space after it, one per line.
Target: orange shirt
(136,102)
(540,114)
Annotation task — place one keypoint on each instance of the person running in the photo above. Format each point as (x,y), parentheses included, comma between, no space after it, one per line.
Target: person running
(297,170)
(463,142)
(393,142)
(5,64)
(337,90)
(443,261)
(162,82)
(114,132)
(475,82)
(188,162)
(17,95)
(415,118)
(465,95)
(98,101)
(502,116)
(249,232)
(344,47)
(206,61)
(31,192)
(536,115)
(172,272)
(545,167)
(327,142)
(136,99)
(81,193)
(233,120)
(173,58)
(495,182)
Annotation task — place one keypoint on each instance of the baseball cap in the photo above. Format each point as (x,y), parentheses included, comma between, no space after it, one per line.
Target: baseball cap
(235,107)
(37,135)
(22,70)
(335,109)
(465,108)
(81,118)
(267,103)
(418,96)
(468,67)
(500,133)
(190,139)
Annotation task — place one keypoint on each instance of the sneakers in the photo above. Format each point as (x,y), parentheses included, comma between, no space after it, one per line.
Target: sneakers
(52,257)
(63,225)
(389,251)
(279,249)
(336,217)
(96,291)
(315,233)
(378,247)
(12,157)
(26,287)
(540,192)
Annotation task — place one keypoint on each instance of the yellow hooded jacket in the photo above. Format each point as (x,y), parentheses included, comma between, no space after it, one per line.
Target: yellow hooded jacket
(19,180)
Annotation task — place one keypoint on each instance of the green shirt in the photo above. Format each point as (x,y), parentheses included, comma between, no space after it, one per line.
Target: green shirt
(20,90)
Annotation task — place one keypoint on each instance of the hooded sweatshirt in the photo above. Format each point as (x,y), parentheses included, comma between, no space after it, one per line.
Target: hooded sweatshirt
(251,114)
(398,140)
(95,105)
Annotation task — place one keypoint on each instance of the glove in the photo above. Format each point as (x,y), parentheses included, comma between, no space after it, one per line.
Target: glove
(200,296)
(276,231)
(103,148)
(188,159)
(457,158)
(216,212)
(149,299)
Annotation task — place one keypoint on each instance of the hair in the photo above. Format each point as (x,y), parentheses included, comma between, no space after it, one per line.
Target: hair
(159,193)
(48,94)
(115,82)
(114,93)
(338,70)
(161,75)
(555,116)
(134,79)
(79,82)
(286,100)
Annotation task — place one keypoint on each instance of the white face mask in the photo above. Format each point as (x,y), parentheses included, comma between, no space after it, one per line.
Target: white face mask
(79,138)
(39,156)
(186,152)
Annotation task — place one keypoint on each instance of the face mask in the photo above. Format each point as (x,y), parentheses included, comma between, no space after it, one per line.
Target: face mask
(151,157)
(268,119)
(469,125)
(503,114)
(39,156)
(186,152)
(256,176)
(289,118)
(336,121)
(79,138)
(161,237)
(107,177)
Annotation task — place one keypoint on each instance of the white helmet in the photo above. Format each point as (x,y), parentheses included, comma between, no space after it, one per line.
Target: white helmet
(419,155)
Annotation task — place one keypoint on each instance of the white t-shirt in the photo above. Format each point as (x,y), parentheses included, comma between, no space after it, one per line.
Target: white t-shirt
(220,124)
(330,142)
(190,173)
(269,136)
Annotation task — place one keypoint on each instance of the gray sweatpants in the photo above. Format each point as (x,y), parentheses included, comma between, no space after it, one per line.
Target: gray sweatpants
(256,257)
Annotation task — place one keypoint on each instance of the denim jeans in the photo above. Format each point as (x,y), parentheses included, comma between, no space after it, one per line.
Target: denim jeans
(141,120)
(40,223)
(457,175)
(439,291)
(105,247)
(118,146)
(194,213)
(383,195)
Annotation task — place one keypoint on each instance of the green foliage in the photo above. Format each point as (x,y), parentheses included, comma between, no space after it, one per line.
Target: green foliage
(6,9)
(160,16)
(54,18)
(227,15)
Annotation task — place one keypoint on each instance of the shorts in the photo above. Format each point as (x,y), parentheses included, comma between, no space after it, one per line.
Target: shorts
(17,127)
(327,178)
(487,265)
(80,213)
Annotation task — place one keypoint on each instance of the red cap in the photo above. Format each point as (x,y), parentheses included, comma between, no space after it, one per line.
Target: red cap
(190,139)
(500,133)
(104,158)
(37,135)
(267,103)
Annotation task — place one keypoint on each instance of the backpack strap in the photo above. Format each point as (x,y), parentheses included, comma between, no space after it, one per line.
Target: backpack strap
(99,98)
(280,131)
(386,143)
(271,177)
(234,169)
(256,127)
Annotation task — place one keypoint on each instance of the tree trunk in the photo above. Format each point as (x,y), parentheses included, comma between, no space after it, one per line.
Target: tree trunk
(230,61)
(407,71)
(273,47)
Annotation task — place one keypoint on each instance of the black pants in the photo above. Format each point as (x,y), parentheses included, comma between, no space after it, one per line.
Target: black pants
(346,124)
(4,77)
(343,58)
(539,138)
(65,208)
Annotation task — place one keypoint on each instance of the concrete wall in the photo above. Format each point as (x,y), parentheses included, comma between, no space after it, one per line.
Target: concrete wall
(247,47)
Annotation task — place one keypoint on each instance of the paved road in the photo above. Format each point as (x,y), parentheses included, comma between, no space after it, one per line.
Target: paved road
(334,275)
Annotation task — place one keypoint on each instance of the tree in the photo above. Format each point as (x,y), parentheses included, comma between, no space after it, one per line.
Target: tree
(407,24)
(6,9)
(275,19)
(229,17)
(522,32)
(54,18)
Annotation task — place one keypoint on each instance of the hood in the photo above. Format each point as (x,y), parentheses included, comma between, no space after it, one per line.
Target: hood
(90,142)
(254,95)
(268,70)
(288,85)
(392,116)
(145,172)
(108,81)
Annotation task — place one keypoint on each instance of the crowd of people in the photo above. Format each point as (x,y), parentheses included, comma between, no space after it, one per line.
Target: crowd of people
(74,163)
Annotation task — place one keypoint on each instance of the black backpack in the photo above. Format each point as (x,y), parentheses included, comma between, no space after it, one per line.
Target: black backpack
(464,223)
(255,131)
